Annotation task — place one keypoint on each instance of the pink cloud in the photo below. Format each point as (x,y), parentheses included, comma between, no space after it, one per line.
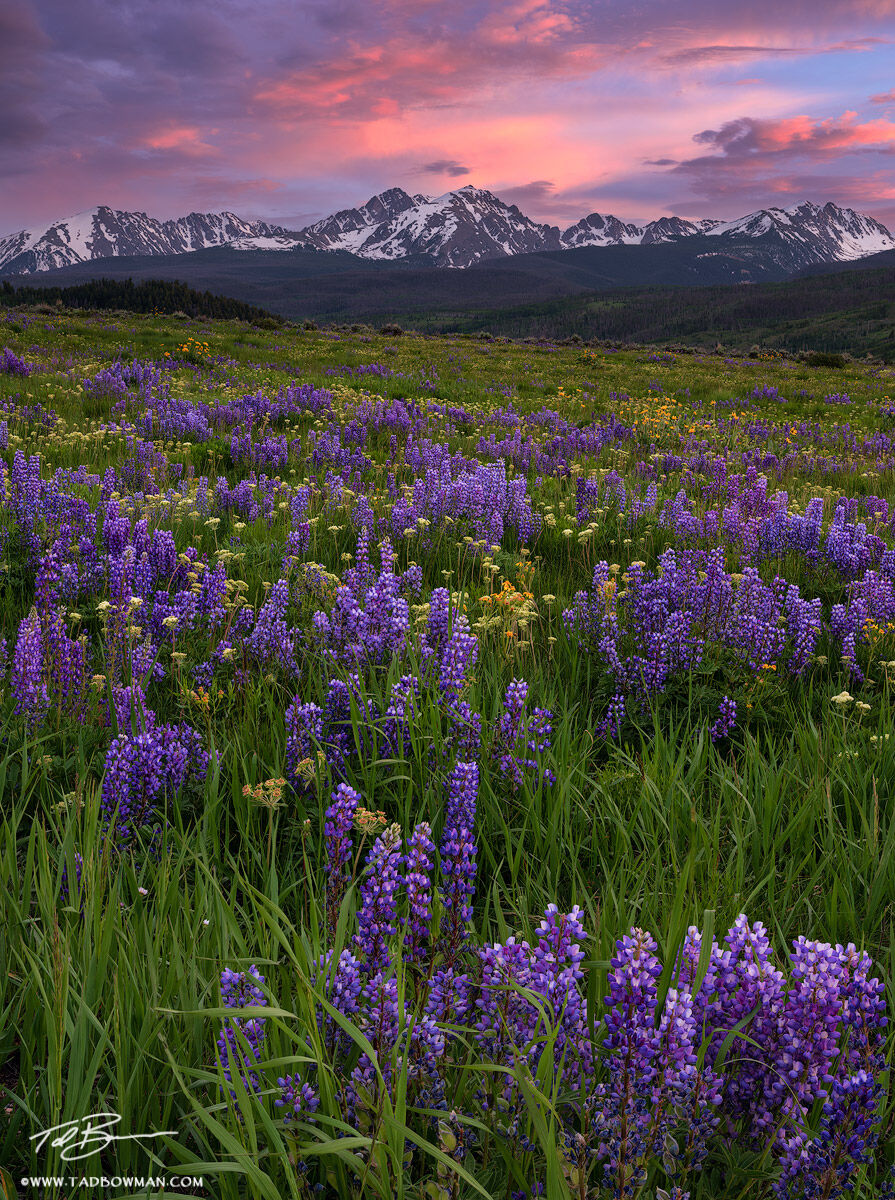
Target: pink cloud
(526,40)
(184,138)
(530,22)
(803,135)
(362,80)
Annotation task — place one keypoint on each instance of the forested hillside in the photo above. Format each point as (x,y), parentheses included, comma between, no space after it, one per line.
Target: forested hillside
(852,311)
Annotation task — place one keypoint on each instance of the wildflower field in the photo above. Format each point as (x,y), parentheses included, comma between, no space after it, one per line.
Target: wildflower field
(439,767)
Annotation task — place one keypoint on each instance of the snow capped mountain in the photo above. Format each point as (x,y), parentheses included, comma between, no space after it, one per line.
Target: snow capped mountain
(458,229)
(807,234)
(471,225)
(453,230)
(672,229)
(103,232)
(351,227)
(599,230)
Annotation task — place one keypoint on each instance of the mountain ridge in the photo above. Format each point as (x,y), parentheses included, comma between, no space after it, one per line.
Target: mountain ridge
(104,232)
(459,229)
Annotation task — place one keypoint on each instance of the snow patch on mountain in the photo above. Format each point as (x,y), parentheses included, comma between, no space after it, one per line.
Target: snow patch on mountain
(282,242)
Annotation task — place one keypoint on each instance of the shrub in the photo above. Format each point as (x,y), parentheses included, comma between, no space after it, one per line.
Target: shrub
(818,358)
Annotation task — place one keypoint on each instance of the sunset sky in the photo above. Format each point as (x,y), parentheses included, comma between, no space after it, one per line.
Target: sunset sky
(288,111)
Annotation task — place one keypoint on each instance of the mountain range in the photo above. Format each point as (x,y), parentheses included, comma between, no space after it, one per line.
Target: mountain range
(460,229)
(106,233)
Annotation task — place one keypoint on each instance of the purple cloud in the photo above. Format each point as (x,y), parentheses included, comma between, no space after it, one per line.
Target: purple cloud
(760,162)
(445,166)
(22,78)
(698,55)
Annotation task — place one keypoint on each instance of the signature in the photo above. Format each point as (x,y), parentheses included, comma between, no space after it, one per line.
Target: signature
(89,1135)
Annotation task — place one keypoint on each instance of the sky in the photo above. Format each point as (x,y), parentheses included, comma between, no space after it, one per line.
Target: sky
(287,110)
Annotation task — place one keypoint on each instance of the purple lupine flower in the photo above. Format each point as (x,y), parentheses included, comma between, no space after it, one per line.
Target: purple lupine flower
(508,728)
(26,677)
(377,917)
(808,1041)
(239,989)
(505,1018)
(610,726)
(463,739)
(142,770)
(519,736)
(66,665)
(657,1104)
(438,626)
(450,996)
(863,1010)
(630,1020)
(369,620)
(304,732)
(397,720)
(556,975)
(297,543)
(747,980)
(824,1166)
(660,625)
(297,1097)
(380,1019)
(337,831)
(457,856)
(727,715)
(12,364)
(342,981)
(621,1118)
(655,1083)
(676,1044)
(426,1051)
(418,863)
(457,659)
(273,641)
(131,709)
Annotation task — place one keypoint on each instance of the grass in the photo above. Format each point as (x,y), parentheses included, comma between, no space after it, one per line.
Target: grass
(109,998)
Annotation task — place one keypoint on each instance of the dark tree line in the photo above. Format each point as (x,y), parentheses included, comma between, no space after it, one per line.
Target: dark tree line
(150,296)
